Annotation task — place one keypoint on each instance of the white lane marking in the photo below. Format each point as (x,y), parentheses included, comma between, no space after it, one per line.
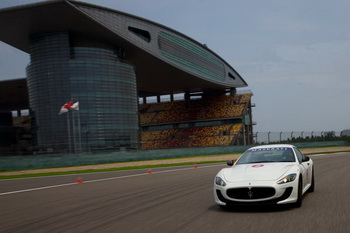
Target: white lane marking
(73,174)
(104,179)
(35,189)
(87,173)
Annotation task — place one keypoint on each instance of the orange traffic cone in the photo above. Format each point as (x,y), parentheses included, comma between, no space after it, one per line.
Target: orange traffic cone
(149,171)
(195,166)
(79,180)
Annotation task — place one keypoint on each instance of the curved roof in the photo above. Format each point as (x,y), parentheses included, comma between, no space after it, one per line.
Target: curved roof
(166,61)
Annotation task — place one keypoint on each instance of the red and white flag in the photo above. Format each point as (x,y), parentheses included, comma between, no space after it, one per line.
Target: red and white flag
(75,106)
(65,108)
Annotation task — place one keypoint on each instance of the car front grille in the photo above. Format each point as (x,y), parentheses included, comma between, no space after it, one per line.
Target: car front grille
(251,193)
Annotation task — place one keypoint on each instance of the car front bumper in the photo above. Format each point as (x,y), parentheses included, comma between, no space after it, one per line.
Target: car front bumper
(256,193)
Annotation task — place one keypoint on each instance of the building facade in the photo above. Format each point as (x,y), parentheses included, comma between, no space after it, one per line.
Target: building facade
(105,60)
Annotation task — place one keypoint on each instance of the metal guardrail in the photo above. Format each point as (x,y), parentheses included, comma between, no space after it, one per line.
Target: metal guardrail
(295,136)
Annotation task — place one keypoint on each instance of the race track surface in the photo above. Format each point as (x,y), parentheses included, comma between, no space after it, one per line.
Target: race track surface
(177,199)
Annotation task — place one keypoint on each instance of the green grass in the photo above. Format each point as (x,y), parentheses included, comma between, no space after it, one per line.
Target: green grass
(327,152)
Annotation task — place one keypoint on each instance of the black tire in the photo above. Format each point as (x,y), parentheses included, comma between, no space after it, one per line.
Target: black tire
(299,202)
(312,187)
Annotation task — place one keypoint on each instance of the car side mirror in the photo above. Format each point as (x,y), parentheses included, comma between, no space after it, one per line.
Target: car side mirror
(230,163)
(306,158)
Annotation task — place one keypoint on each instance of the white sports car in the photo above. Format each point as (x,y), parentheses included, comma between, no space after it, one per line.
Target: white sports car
(269,174)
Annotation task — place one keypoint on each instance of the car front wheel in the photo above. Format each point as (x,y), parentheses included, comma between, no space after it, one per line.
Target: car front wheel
(300,194)
(312,187)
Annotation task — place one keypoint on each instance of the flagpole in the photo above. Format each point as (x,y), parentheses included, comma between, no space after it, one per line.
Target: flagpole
(66,109)
(69,141)
(79,131)
(74,132)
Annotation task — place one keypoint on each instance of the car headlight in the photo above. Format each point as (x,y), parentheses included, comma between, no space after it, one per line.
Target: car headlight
(219,181)
(286,179)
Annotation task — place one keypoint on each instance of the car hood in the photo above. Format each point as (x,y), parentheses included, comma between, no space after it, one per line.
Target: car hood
(256,172)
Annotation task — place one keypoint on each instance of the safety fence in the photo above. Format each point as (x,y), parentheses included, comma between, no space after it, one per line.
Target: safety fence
(296,136)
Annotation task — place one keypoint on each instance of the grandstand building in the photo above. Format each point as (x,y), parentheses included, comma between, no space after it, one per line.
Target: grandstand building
(111,63)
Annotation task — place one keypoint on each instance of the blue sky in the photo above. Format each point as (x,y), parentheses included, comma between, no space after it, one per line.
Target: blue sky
(294,55)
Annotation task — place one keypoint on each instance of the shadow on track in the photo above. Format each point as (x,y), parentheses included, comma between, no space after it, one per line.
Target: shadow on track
(252,208)
(257,208)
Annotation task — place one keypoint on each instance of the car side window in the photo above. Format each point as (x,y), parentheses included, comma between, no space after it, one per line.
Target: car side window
(299,155)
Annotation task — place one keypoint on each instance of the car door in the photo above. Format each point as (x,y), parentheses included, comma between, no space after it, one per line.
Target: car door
(305,167)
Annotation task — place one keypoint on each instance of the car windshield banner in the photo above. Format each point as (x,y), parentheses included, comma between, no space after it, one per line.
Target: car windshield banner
(271,149)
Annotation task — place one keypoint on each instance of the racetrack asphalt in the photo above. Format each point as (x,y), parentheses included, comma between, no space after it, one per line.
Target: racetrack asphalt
(176,199)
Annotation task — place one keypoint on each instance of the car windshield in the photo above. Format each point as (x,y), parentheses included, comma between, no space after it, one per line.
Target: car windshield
(267,155)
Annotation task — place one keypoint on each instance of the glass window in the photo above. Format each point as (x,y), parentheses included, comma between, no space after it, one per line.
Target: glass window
(300,156)
(190,56)
(94,76)
(267,155)
(143,34)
